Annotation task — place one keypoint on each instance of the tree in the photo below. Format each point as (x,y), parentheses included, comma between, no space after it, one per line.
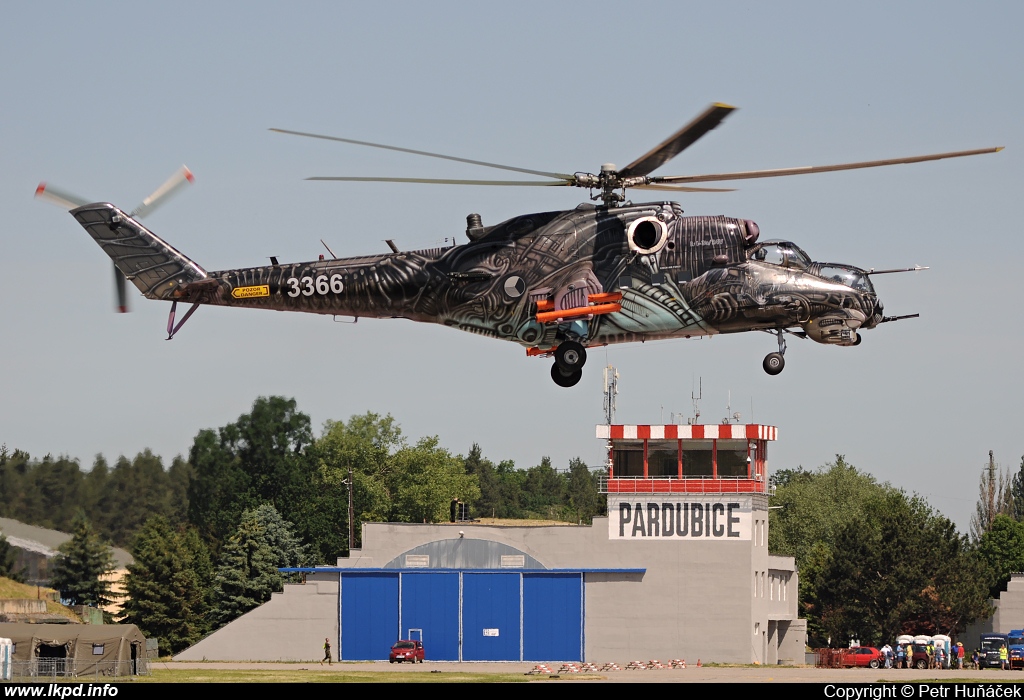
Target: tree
(1017,493)
(428,478)
(248,573)
(1002,551)
(81,565)
(136,490)
(490,501)
(168,585)
(994,498)
(811,507)
(544,491)
(366,444)
(584,500)
(901,568)
(257,459)
(873,561)
(8,561)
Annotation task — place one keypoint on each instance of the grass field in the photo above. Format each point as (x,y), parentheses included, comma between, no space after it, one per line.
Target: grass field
(299,675)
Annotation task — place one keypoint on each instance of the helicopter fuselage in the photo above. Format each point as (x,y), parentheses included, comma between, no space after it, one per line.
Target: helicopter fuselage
(679,276)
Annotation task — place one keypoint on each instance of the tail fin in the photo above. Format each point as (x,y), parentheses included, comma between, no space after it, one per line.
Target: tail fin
(146,261)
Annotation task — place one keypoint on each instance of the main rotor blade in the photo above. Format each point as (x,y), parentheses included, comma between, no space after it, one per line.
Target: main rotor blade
(59,197)
(674,188)
(445,181)
(183,176)
(809,169)
(678,142)
(560,176)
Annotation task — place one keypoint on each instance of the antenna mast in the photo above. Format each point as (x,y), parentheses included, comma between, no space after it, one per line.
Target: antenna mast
(611,390)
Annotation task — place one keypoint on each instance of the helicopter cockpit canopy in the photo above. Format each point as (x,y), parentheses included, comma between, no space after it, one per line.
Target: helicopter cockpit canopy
(781,253)
(845,274)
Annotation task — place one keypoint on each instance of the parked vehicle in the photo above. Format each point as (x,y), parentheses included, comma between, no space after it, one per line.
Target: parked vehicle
(919,656)
(861,656)
(407,650)
(1015,642)
(989,650)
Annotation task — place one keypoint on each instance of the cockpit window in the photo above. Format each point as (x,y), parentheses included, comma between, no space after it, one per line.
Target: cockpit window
(781,253)
(850,276)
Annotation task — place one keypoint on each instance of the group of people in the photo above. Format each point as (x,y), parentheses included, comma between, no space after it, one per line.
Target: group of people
(932,655)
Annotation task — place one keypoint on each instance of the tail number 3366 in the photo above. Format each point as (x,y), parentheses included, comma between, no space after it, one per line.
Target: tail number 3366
(307,286)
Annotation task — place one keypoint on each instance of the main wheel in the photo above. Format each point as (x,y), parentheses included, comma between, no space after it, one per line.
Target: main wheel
(570,356)
(564,379)
(773,363)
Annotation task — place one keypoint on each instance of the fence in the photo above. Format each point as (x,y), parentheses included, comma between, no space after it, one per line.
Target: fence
(64,669)
(674,484)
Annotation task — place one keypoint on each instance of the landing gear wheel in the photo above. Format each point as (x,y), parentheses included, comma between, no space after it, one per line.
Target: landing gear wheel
(561,378)
(773,363)
(570,356)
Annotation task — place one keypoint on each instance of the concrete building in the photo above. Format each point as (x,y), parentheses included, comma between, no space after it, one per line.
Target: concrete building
(1008,615)
(678,569)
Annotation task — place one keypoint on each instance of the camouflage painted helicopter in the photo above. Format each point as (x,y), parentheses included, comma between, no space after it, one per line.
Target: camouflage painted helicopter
(555,282)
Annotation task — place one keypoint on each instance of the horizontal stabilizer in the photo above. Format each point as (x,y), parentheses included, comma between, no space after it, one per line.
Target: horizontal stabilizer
(156,268)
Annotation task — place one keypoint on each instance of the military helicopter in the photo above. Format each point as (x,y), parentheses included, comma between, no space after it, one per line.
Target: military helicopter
(555,282)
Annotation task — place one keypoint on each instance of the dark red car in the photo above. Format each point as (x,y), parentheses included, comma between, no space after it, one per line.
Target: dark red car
(407,650)
(861,656)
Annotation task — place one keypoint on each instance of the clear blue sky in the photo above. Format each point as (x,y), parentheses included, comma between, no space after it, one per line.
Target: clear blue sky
(107,99)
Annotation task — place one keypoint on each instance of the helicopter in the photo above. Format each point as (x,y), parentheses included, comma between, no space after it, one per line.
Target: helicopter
(557,283)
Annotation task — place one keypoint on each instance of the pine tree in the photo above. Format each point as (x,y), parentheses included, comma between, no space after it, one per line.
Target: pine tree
(248,571)
(1017,494)
(168,586)
(81,564)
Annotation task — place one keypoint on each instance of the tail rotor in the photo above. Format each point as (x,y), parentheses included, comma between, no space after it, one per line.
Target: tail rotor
(67,200)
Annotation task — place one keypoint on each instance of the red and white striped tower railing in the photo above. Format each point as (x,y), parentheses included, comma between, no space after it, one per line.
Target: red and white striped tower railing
(723,458)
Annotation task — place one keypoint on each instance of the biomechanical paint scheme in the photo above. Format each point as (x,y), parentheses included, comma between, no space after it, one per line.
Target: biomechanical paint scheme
(554,282)
(678,276)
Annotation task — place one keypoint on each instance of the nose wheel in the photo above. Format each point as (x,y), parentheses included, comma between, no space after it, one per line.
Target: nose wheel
(774,362)
(570,357)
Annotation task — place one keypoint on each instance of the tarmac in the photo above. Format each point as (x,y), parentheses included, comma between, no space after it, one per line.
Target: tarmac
(691,674)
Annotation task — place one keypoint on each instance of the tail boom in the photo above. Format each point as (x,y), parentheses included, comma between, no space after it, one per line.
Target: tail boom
(156,268)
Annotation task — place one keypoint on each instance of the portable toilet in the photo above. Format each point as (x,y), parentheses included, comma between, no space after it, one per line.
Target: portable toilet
(6,658)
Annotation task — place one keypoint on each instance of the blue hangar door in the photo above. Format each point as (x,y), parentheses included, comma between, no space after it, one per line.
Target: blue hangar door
(490,617)
(463,615)
(553,617)
(430,608)
(369,620)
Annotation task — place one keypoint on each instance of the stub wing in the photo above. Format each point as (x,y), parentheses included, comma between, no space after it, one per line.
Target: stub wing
(155,267)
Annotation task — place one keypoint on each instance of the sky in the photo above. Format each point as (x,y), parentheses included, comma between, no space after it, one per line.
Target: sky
(106,99)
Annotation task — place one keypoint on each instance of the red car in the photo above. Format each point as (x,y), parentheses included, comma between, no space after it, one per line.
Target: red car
(407,650)
(861,656)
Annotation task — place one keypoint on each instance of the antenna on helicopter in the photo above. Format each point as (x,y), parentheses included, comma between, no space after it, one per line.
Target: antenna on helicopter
(329,249)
